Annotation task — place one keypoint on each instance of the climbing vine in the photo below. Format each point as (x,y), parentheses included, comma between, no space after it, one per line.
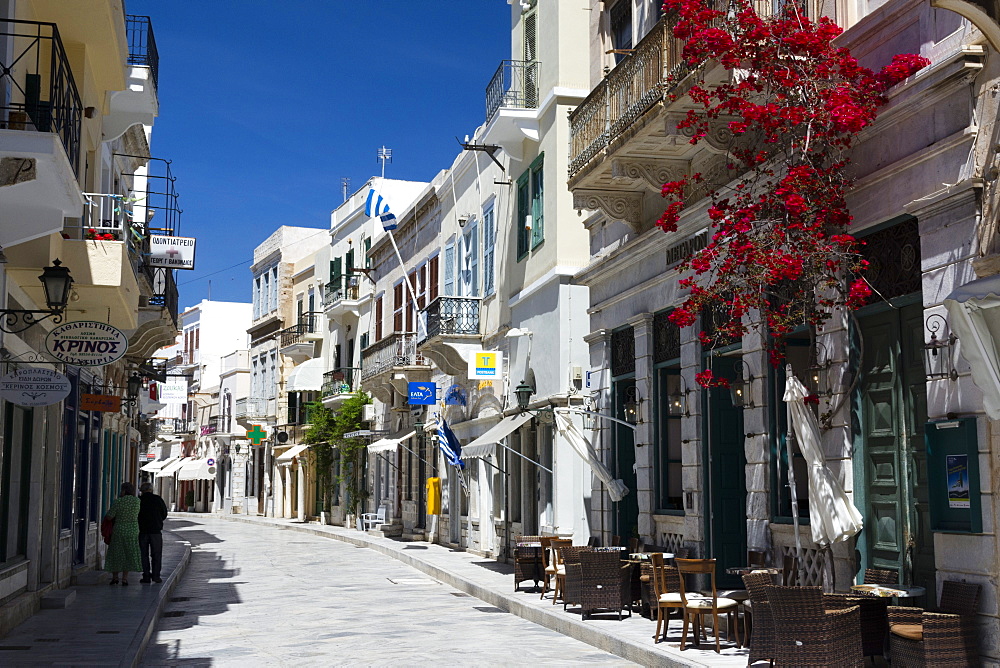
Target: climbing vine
(327,432)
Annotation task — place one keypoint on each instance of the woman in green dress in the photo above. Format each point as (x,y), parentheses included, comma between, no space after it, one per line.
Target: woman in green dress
(123,550)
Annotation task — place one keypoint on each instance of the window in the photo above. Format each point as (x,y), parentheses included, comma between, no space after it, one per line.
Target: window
(15,481)
(669,484)
(272,383)
(274,290)
(530,208)
(397,307)
(408,297)
(265,298)
(449,270)
(256,297)
(336,273)
(368,253)
(489,252)
(432,279)
(469,285)
(621,28)
(378,318)
(796,354)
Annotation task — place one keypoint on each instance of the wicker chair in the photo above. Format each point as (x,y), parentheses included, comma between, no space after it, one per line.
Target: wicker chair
(806,634)
(695,608)
(944,638)
(606,583)
(880,576)
(762,635)
(527,561)
(665,582)
(873,619)
(570,582)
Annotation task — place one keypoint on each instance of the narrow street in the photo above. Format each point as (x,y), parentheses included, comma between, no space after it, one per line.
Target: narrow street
(256,596)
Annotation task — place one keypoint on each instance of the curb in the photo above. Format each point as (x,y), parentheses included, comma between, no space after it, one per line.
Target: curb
(552,620)
(137,648)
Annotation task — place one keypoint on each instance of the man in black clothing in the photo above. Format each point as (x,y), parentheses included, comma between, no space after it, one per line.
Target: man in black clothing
(152,512)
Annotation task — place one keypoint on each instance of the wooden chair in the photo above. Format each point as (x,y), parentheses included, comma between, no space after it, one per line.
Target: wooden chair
(555,568)
(666,590)
(635,545)
(806,634)
(879,576)
(762,635)
(370,521)
(790,570)
(550,570)
(616,541)
(756,558)
(945,638)
(695,608)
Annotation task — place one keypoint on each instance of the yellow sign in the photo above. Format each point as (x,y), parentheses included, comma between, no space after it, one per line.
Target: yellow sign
(485,364)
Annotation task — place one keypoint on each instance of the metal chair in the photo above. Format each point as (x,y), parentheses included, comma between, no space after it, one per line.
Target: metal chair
(371,520)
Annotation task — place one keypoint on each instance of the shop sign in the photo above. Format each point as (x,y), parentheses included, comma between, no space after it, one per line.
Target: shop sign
(86,343)
(171,252)
(485,364)
(34,387)
(174,392)
(422,394)
(104,403)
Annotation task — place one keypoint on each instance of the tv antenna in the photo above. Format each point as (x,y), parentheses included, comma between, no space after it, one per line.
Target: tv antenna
(385,155)
(345,185)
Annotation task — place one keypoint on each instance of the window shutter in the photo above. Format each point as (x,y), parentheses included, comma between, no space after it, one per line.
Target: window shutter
(349,262)
(422,288)
(378,319)
(397,315)
(368,251)
(432,278)
(523,210)
(537,203)
(449,270)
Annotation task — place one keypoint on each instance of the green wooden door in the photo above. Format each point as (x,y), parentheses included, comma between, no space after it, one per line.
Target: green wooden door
(891,412)
(627,510)
(726,484)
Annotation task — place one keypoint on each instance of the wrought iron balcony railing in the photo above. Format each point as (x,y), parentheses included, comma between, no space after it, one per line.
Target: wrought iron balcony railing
(397,349)
(175,426)
(250,407)
(308,324)
(37,89)
(342,287)
(142,46)
(451,315)
(339,381)
(164,287)
(629,90)
(514,86)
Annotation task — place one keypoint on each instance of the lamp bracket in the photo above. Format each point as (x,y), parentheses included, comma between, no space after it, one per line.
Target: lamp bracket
(15,321)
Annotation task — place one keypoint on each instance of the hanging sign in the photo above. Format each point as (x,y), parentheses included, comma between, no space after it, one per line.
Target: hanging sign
(174,392)
(34,387)
(455,396)
(171,252)
(86,343)
(485,364)
(422,394)
(105,403)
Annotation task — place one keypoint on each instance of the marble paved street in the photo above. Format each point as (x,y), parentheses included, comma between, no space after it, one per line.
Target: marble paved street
(257,596)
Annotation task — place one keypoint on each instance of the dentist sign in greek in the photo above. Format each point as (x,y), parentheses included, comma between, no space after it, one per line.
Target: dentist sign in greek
(86,343)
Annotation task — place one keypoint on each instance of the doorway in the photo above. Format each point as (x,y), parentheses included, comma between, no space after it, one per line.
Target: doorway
(626,510)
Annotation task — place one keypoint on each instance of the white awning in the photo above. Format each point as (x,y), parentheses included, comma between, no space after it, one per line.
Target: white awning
(306,377)
(975,319)
(172,467)
(485,445)
(157,465)
(292,452)
(387,444)
(196,469)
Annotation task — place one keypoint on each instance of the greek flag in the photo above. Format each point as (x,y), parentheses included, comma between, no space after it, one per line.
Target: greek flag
(449,444)
(376,207)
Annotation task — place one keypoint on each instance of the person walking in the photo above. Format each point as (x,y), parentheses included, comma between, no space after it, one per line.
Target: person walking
(152,512)
(123,550)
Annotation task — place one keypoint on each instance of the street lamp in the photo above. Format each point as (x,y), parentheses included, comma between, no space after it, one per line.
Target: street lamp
(938,352)
(632,405)
(523,393)
(741,386)
(132,387)
(56,281)
(677,398)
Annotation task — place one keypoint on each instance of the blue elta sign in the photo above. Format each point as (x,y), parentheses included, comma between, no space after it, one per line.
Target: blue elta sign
(423,394)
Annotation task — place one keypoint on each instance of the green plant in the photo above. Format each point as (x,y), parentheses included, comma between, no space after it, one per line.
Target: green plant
(327,432)
(189,499)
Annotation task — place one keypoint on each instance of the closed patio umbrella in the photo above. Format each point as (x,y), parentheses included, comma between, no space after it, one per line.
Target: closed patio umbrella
(832,516)
(569,431)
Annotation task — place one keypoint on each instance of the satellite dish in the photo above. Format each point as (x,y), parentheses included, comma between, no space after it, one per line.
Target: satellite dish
(282,437)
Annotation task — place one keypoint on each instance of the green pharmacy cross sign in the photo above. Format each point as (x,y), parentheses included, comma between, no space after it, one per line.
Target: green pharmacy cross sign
(256,434)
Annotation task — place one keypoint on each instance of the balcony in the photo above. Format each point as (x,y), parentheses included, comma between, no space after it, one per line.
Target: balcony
(253,408)
(139,102)
(142,46)
(344,296)
(338,384)
(167,426)
(512,105)
(452,333)
(391,363)
(40,124)
(298,341)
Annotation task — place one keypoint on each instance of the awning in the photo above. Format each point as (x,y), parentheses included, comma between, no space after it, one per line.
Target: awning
(306,377)
(292,453)
(975,319)
(196,469)
(387,444)
(157,465)
(172,467)
(485,445)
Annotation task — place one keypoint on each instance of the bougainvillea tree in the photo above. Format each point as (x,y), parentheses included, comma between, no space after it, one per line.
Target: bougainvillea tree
(794,103)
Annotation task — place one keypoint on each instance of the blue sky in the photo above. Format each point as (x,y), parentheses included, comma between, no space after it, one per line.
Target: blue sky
(266,105)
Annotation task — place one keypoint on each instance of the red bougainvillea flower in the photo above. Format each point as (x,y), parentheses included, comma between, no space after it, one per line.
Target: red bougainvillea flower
(708,379)
(811,399)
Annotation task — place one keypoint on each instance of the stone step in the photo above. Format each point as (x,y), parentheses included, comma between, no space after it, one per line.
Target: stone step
(90,577)
(60,598)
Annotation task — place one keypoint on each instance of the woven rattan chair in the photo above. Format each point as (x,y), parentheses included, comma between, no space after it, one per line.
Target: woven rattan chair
(555,568)
(880,576)
(527,564)
(666,585)
(873,619)
(806,634)
(570,582)
(606,583)
(762,635)
(696,608)
(944,638)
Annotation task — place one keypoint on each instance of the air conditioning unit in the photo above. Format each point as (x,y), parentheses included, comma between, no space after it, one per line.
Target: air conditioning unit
(368,413)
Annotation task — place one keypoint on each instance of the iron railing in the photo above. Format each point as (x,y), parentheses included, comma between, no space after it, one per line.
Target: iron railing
(634,86)
(513,86)
(164,289)
(338,381)
(37,89)
(308,324)
(451,315)
(397,349)
(142,46)
(342,287)
(250,407)
(174,426)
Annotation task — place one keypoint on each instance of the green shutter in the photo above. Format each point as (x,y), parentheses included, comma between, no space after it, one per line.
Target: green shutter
(537,202)
(350,261)
(368,251)
(523,209)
